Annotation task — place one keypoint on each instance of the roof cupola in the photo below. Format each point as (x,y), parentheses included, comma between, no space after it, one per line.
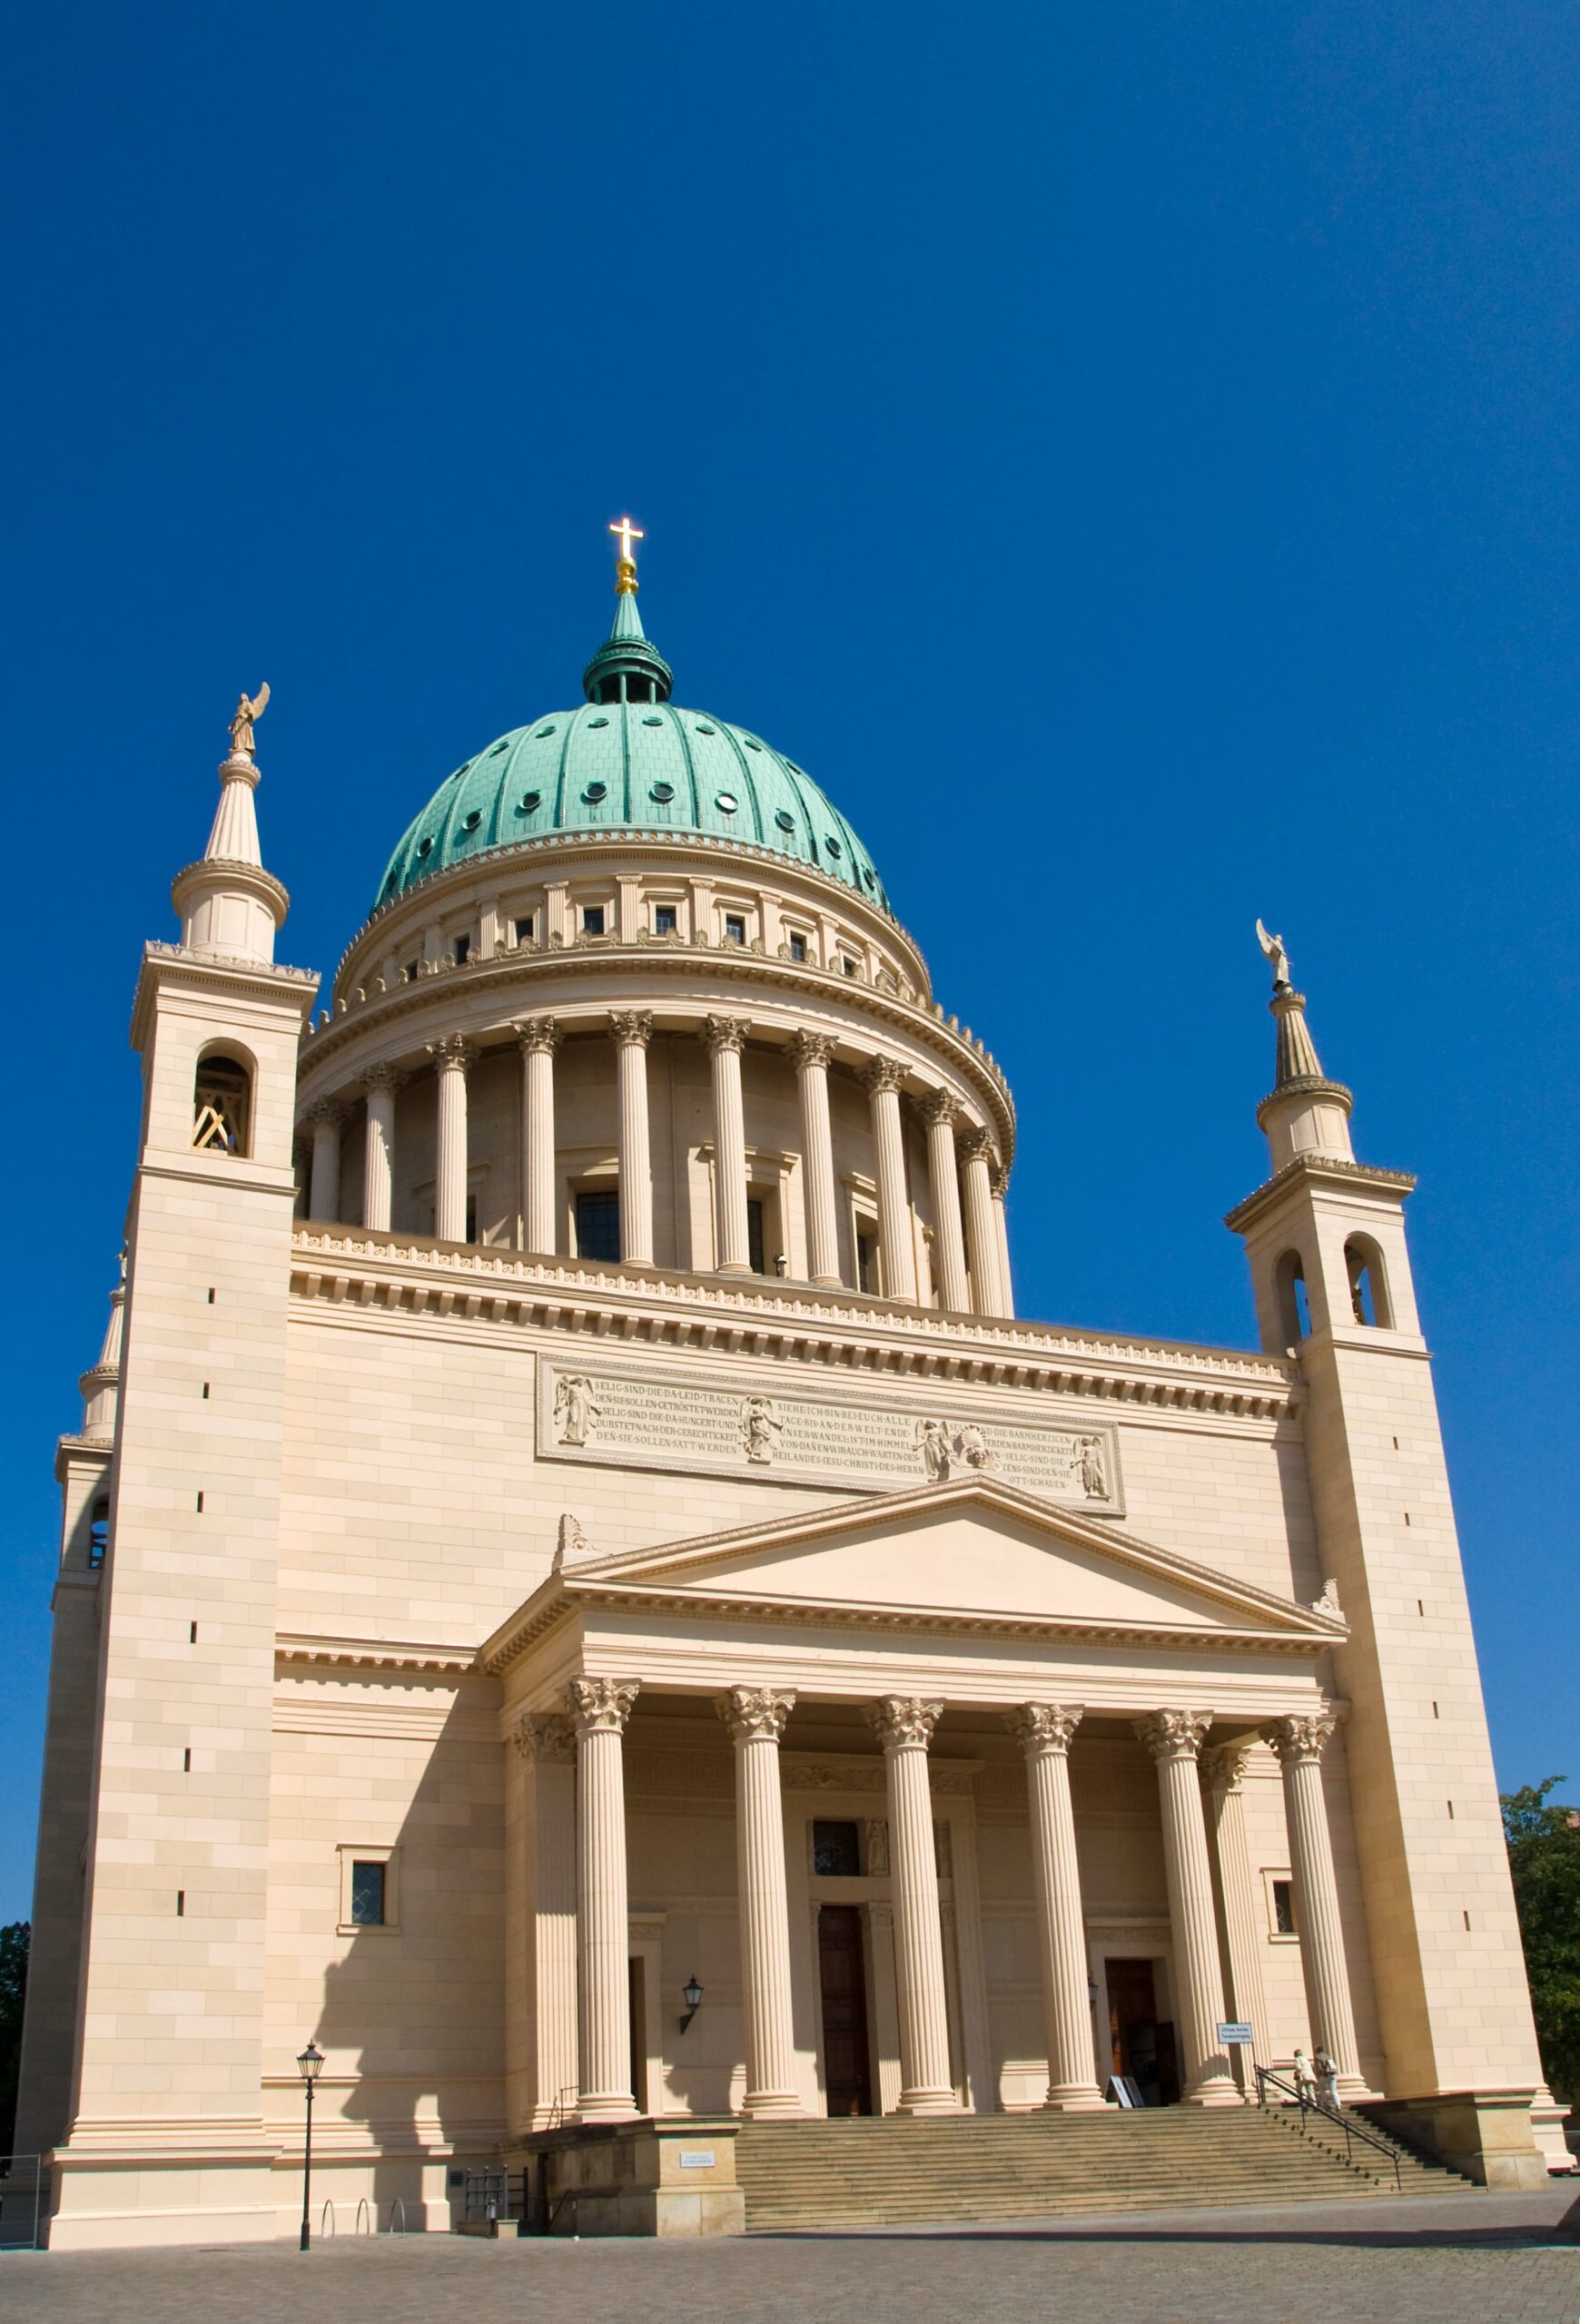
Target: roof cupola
(627,668)
(1304,1112)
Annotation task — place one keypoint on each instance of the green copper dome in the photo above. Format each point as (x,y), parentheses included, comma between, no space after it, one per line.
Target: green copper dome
(629,760)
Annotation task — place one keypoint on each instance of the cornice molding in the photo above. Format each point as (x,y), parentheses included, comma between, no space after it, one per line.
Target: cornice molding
(1316,1167)
(298,1649)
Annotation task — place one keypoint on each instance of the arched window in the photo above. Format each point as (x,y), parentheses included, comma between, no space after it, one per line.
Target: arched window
(98,1534)
(1294,1309)
(1368,1287)
(222,1104)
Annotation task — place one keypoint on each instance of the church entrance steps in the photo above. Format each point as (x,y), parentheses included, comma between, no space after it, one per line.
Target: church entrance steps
(891,2171)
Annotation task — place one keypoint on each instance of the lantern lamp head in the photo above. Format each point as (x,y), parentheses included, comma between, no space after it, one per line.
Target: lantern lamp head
(310,2062)
(691,1994)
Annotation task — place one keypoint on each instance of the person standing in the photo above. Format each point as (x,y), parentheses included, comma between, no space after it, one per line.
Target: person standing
(1305,2079)
(1327,2079)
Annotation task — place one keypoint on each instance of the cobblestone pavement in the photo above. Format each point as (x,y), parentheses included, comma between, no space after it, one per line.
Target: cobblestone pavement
(1486,2260)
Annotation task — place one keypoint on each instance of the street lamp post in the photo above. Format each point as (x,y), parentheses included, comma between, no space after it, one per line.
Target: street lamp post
(309,2065)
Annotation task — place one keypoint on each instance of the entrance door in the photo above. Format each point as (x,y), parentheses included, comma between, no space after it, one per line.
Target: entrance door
(1141,2047)
(842,1974)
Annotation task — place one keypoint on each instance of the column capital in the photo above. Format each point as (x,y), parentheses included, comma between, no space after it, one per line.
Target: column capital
(1223,1765)
(1173,1734)
(904,1722)
(941,1110)
(632,1029)
(600,1706)
(720,1033)
(1305,1737)
(544,1737)
(755,1714)
(452,1053)
(998,1181)
(1044,1726)
(538,1035)
(883,1074)
(383,1080)
(328,1114)
(976,1145)
(806,1050)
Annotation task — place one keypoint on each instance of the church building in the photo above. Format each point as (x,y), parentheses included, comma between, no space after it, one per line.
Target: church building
(581,1602)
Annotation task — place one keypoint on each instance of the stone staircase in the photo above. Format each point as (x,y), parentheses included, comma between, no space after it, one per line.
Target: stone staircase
(893,2171)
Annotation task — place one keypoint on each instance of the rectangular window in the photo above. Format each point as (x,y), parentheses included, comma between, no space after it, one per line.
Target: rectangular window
(863,1262)
(734,927)
(755,1242)
(1282,1892)
(664,920)
(368,1895)
(598,1224)
(472,1218)
(797,945)
(848,965)
(524,928)
(412,973)
(461,948)
(592,919)
(836,1851)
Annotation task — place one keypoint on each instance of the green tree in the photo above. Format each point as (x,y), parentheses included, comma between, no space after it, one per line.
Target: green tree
(13,1942)
(1544,1855)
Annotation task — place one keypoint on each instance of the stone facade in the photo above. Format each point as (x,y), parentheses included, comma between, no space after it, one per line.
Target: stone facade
(467,1637)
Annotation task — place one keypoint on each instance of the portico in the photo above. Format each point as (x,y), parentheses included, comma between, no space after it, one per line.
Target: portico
(771,1680)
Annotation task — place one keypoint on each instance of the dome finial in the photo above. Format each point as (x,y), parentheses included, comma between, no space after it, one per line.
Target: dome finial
(625,568)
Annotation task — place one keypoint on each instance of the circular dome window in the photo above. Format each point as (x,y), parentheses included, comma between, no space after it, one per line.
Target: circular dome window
(663,793)
(530,799)
(702,729)
(833,846)
(595,792)
(425,846)
(470,822)
(652,722)
(542,733)
(726,802)
(751,745)
(597,721)
(461,771)
(785,820)
(498,748)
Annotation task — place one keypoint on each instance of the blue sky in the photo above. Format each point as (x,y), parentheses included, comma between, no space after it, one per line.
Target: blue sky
(1127,453)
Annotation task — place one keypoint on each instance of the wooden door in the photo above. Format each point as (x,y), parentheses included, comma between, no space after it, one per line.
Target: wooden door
(1132,2022)
(842,1975)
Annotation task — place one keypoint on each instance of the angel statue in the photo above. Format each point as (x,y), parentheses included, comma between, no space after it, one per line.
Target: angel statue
(1273,946)
(248,710)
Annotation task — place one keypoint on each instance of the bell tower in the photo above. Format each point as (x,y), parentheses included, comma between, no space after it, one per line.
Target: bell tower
(1331,1271)
(171,1974)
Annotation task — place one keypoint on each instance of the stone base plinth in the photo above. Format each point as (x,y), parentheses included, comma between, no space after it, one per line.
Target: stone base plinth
(637,2178)
(1485,2134)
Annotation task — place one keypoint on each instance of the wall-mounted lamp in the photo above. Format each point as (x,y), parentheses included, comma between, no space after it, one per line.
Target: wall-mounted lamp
(781,1265)
(691,1995)
(1091,1991)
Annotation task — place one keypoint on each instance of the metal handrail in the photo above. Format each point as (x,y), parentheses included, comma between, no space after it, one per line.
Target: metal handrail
(1296,2093)
(326,2225)
(398,2203)
(363,2213)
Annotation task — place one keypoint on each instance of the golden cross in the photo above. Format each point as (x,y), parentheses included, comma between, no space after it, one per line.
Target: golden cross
(627,534)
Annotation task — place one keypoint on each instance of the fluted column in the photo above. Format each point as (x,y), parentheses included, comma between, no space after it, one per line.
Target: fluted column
(381,1083)
(976,1158)
(999,1181)
(884,1078)
(724,1038)
(452,1059)
(546,1742)
(323,1193)
(941,1113)
(1223,1789)
(633,1030)
(1299,1744)
(1043,1731)
(756,1717)
(538,1038)
(811,1054)
(1174,1738)
(903,1724)
(600,1709)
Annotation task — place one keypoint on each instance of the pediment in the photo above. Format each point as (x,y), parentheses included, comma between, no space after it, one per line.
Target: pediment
(976,1549)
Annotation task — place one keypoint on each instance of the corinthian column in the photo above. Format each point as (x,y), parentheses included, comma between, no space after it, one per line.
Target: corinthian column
(381,1083)
(976,1157)
(999,1180)
(538,1038)
(452,1059)
(940,1112)
(810,1054)
(884,1078)
(546,1742)
(724,1038)
(633,1030)
(1174,1738)
(1223,1788)
(324,1195)
(600,1707)
(756,1717)
(903,1724)
(1299,1745)
(1043,1731)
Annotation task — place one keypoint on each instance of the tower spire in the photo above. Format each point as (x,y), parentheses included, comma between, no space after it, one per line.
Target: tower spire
(627,668)
(227,901)
(1304,1112)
